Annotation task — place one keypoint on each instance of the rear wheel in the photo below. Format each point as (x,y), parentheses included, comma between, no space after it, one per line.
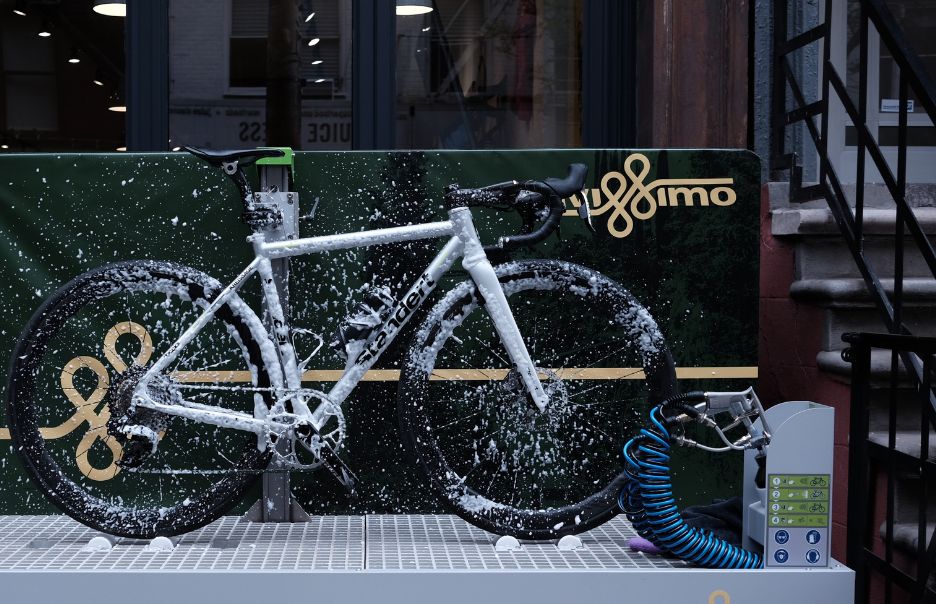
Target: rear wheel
(490,455)
(73,371)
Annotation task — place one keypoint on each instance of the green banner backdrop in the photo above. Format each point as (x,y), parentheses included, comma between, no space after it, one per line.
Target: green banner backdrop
(679,229)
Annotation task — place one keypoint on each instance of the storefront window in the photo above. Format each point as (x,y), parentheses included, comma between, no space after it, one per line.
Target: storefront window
(218,72)
(489,74)
(62,68)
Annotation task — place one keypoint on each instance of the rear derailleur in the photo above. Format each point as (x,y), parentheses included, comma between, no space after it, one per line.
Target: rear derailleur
(138,429)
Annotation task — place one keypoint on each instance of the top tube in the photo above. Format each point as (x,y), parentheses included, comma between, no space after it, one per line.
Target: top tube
(343,241)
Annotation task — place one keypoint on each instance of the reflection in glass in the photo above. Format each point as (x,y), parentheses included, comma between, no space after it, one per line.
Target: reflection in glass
(490,74)
(218,73)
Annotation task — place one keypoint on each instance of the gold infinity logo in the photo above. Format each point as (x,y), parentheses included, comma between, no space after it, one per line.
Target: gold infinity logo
(719,596)
(85,408)
(629,198)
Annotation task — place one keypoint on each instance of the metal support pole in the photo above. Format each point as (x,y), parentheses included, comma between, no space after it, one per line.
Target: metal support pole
(277,503)
(147,85)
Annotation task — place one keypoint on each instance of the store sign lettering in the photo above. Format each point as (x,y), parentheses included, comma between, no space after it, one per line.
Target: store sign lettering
(628,197)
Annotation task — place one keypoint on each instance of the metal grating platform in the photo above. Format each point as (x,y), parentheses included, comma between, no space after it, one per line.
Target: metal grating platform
(58,543)
(373,558)
(430,543)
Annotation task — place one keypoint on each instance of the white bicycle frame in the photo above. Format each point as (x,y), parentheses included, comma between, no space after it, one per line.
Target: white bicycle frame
(463,242)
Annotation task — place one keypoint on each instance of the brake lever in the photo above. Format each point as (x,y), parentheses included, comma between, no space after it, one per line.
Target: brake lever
(584,212)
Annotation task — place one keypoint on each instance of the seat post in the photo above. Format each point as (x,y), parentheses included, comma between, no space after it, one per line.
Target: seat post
(274,180)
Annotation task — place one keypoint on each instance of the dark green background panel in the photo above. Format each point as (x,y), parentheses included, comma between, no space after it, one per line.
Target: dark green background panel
(694,267)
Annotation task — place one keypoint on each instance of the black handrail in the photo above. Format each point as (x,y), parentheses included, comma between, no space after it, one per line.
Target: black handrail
(870,461)
(850,221)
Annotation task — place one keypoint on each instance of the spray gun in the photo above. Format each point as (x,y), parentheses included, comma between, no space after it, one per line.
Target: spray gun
(743,408)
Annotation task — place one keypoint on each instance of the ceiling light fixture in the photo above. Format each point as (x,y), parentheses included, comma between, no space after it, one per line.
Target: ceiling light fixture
(317,62)
(314,41)
(320,80)
(309,18)
(73,56)
(405,8)
(121,148)
(110,8)
(46,30)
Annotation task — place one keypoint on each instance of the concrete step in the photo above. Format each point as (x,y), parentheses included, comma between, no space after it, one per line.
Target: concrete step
(921,320)
(907,417)
(805,222)
(876,196)
(827,257)
(907,441)
(906,535)
(831,361)
(853,293)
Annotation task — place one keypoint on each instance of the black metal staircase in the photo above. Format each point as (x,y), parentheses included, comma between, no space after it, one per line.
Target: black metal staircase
(878,461)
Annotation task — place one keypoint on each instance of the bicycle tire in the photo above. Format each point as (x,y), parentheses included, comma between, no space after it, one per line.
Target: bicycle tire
(576,496)
(87,494)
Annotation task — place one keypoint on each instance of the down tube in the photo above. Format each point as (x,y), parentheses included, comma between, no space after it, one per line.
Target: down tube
(401,313)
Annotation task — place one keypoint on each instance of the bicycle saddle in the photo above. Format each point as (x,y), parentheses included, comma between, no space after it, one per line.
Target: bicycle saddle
(244,157)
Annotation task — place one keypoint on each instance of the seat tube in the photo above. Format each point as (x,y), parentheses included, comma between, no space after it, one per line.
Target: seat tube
(482,273)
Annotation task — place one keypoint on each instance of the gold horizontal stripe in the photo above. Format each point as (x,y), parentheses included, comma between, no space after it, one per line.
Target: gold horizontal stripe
(385,375)
(389,375)
(716,373)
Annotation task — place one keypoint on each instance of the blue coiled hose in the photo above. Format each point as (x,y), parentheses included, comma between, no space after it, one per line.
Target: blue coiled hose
(649,504)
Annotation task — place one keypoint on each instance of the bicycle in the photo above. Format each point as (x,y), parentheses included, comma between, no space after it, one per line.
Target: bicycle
(504,411)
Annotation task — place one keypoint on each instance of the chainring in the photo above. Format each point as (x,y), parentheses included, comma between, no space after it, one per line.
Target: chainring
(285,430)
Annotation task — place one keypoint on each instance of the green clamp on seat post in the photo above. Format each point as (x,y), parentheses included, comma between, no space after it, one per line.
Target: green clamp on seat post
(287,159)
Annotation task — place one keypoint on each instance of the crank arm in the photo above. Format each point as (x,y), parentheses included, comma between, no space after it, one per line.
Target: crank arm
(336,466)
(339,469)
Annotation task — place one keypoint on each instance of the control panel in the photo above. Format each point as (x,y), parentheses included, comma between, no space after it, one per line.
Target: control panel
(798,519)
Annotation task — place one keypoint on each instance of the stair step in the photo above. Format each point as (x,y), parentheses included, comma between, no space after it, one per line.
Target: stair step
(832,362)
(906,535)
(876,196)
(828,257)
(820,221)
(852,293)
(906,441)
(921,321)
(907,405)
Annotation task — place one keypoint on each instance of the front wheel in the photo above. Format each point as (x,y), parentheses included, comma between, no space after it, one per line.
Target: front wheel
(490,455)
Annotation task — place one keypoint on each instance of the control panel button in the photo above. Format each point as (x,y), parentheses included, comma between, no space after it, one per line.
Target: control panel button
(812,556)
(782,537)
(781,555)
(813,537)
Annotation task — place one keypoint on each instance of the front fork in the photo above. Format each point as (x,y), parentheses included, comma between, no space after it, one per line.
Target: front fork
(492,295)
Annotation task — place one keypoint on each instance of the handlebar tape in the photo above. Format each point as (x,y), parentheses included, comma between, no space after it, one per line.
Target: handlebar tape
(555,190)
